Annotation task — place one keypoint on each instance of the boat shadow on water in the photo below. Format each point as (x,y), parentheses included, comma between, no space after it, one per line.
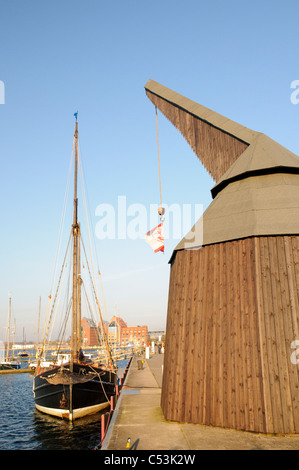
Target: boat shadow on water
(52,433)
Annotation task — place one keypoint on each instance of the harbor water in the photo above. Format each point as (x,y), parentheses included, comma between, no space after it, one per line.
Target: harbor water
(25,428)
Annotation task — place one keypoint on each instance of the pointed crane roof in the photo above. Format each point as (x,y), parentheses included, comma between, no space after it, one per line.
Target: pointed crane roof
(257,180)
(216,140)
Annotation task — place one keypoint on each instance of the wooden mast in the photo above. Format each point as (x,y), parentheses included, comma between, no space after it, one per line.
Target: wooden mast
(77,281)
(79,291)
(75,233)
(38,323)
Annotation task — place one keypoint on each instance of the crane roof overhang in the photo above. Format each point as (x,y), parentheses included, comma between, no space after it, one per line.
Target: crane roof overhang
(216,140)
(257,180)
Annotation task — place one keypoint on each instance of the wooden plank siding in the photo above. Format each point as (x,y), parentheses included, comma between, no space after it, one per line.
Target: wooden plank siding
(233,313)
(215,148)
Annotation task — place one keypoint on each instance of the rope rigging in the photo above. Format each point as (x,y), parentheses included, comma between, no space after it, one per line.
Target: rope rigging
(59,239)
(161,210)
(53,300)
(91,243)
(155,236)
(111,362)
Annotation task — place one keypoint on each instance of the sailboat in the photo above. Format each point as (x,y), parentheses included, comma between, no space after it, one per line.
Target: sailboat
(9,362)
(75,387)
(23,353)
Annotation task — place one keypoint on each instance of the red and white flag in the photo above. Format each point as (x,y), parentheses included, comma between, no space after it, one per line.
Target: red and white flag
(155,238)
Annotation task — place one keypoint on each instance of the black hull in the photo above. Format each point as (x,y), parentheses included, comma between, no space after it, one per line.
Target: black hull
(74,400)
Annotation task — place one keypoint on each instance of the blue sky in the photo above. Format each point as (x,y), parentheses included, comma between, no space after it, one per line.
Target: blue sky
(58,57)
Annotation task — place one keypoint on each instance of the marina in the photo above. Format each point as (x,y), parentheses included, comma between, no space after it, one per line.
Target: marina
(137,420)
(201,389)
(25,428)
(149,301)
(28,364)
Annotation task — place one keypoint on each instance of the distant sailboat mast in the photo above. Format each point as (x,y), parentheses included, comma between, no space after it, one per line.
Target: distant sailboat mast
(38,323)
(76,322)
(8,328)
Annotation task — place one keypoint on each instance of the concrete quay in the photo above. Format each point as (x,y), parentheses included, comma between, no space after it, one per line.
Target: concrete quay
(138,418)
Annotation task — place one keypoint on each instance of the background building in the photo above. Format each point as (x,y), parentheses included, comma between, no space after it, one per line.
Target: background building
(89,332)
(117,332)
(115,328)
(136,335)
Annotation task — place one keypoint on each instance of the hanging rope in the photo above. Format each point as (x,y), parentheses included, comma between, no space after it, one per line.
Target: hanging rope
(86,212)
(155,237)
(110,359)
(161,210)
(59,240)
(54,301)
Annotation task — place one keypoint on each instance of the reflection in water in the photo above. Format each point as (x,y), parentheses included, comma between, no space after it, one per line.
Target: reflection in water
(56,434)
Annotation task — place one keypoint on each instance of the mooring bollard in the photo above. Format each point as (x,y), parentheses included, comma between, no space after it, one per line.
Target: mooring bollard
(102,428)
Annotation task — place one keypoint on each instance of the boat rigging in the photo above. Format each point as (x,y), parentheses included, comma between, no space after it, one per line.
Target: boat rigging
(76,387)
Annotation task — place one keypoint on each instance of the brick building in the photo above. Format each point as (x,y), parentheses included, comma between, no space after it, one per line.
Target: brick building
(92,335)
(136,335)
(115,329)
(89,332)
